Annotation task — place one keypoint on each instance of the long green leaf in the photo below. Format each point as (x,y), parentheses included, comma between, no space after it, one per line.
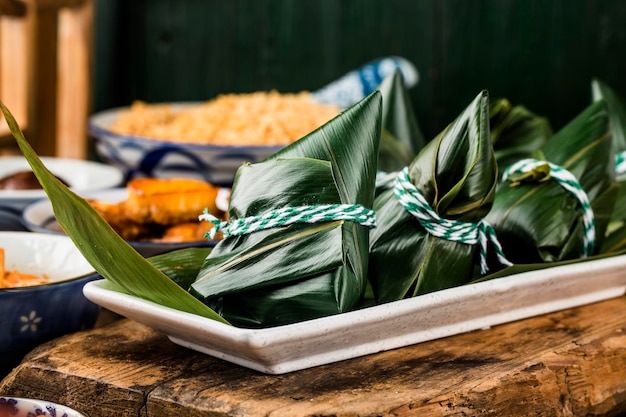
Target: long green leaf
(108,253)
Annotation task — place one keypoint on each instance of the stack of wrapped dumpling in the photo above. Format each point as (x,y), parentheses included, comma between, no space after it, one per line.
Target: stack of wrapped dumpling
(365,210)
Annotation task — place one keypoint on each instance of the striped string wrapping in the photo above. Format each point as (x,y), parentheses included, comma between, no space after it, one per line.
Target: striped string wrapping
(290,215)
(569,182)
(463,232)
(385,180)
(620,163)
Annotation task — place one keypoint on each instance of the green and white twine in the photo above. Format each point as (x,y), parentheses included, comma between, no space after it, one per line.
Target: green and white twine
(569,182)
(290,215)
(620,163)
(385,180)
(463,232)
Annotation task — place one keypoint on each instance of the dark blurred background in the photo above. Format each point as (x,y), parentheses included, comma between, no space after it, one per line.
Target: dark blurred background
(539,53)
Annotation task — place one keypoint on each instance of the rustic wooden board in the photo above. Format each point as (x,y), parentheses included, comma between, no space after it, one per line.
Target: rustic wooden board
(568,363)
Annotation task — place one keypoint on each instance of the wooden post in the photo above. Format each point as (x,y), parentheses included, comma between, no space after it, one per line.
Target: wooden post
(13,68)
(74,79)
(45,73)
(42,69)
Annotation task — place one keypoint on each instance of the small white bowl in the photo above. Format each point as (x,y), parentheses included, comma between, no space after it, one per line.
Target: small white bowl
(79,174)
(28,407)
(36,314)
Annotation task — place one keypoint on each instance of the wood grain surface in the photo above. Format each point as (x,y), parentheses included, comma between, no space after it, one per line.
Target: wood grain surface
(569,363)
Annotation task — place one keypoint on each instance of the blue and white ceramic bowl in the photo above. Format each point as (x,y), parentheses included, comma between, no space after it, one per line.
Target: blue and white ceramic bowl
(138,156)
(144,157)
(28,407)
(36,314)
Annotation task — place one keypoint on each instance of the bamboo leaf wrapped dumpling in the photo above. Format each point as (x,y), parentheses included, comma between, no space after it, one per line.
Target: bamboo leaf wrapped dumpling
(294,272)
(456,174)
(557,207)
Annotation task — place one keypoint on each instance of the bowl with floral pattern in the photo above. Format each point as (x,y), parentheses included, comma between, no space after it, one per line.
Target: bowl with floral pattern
(41,282)
(28,407)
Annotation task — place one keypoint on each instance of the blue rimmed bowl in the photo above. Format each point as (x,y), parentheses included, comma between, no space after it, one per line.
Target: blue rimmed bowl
(139,156)
(36,314)
(29,407)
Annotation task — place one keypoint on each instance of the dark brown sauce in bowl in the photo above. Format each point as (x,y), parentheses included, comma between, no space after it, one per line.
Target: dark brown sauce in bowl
(22,180)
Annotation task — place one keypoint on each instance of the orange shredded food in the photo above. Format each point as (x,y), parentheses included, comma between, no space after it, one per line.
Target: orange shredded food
(13,278)
(259,119)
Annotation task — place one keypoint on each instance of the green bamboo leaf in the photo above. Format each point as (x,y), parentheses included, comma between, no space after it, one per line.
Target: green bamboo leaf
(108,253)
(516,132)
(181,266)
(302,271)
(457,174)
(401,136)
(617,111)
(615,240)
(617,117)
(540,221)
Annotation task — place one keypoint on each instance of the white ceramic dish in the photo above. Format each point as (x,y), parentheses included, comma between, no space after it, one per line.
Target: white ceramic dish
(321,341)
(79,174)
(39,217)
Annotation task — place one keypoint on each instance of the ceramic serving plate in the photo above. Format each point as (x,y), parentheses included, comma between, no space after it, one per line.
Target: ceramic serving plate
(80,175)
(374,329)
(39,217)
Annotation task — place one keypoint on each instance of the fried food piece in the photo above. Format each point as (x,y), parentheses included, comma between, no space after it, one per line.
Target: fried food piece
(168,201)
(115,215)
(186,232)
(155,207)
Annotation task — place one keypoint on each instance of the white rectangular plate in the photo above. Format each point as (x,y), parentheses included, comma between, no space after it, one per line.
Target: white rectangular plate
(288,348)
